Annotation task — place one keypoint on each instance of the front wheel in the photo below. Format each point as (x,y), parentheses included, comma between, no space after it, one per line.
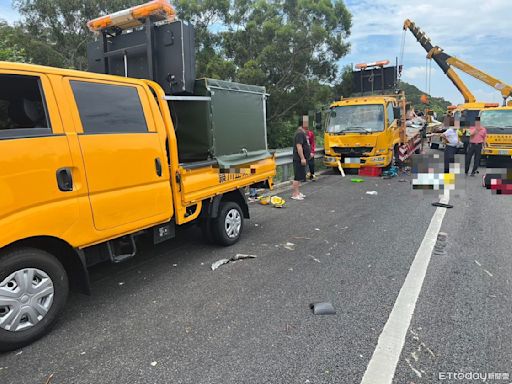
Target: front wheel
(228,226)
(33,291)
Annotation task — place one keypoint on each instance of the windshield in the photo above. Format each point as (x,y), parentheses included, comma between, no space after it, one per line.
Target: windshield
(468,116)
(356,118)
(497,121)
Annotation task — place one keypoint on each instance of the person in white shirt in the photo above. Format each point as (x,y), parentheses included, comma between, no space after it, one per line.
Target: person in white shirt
(451,139)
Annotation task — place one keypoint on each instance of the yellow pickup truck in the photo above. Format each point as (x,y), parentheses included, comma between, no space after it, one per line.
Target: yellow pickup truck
(369,131)
(87,162)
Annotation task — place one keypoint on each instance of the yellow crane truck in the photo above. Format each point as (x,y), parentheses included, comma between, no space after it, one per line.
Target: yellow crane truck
(89,161)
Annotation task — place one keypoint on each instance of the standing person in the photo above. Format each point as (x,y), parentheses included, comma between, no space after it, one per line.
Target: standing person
(463,133)
(477,137)
(311,141)
(301,153)
(451,139)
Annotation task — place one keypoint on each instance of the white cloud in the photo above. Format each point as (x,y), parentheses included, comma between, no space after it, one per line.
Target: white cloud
(417,73)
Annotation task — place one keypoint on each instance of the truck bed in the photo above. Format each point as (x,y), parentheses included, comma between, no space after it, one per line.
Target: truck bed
(202,180)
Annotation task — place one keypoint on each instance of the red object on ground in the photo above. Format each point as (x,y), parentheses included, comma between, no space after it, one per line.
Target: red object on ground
(370,171)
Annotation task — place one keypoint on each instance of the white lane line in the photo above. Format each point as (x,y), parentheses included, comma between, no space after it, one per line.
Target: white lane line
(382,366)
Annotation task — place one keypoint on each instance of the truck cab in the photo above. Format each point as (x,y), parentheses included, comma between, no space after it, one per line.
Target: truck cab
(498,145)
(362,131)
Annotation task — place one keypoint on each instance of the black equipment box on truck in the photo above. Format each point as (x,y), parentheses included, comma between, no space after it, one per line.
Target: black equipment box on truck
(164,53)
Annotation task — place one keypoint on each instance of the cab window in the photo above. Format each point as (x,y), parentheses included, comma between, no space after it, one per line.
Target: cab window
(22,107)
(106,108)
(391,114)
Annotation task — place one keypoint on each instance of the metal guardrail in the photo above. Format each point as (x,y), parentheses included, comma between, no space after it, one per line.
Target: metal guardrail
(284,161)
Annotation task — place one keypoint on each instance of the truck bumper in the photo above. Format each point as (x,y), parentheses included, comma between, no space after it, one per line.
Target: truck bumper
(358,162)
(487,151)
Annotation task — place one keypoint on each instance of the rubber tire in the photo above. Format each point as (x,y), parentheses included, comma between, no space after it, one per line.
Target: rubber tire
(219,233)
(34,258)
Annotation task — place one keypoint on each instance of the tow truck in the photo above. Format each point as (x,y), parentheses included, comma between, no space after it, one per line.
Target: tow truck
(369,131)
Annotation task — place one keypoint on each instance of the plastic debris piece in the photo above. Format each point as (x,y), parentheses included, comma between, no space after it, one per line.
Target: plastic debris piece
(373,193)
(242,256)
(290,246)
(121,283)
(237,257)
(402,180)
(218,263)
(322,309)
(357,180)
(154,363)
(18,353)
(442,205)
(175,265)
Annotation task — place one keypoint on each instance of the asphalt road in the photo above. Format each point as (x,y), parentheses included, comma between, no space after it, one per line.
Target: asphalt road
(166,317)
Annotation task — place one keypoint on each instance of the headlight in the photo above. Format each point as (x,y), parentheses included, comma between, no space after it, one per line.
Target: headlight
(379,151)
(328,159)
(381,158)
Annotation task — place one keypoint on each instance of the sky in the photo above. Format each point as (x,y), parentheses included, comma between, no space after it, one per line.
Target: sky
(476,31)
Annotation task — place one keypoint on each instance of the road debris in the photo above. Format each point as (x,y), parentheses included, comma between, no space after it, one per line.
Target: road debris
(290,246)
(322,308)
(357,180)
(49,379)
(18,353)
(315,259)
(154,363)
(373,193)
(442,205)
(121,283)
(439,247)
(237,257)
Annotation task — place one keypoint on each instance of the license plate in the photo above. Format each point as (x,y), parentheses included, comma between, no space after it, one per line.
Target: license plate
(352,160)
(503,152)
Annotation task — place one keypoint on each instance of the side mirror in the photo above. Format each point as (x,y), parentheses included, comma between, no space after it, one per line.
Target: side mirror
(318,121)
(397,112)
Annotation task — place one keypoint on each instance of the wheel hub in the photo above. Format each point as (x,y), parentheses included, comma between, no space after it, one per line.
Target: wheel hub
(233,223)
(26,296)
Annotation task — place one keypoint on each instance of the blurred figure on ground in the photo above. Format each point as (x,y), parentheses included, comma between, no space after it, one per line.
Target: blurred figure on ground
(301,153)
(477,138)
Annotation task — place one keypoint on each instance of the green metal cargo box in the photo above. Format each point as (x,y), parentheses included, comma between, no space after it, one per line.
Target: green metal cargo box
(223,121)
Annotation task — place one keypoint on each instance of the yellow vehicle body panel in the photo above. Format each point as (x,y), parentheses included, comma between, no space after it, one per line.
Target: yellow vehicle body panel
(382,143)
(498,144)
(115,188)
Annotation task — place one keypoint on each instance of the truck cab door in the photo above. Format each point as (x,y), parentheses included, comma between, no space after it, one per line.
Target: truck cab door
(124,158)
(38,182)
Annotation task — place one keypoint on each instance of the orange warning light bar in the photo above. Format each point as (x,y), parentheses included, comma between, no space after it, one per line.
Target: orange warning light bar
(491,105)
(130,18)
(374,64)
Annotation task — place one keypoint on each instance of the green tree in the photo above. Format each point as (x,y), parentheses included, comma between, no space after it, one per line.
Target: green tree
(289,46)
(10,50)
(61,25)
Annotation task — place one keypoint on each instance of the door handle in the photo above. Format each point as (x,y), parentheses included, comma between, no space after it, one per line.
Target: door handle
(65,179)
(158,166)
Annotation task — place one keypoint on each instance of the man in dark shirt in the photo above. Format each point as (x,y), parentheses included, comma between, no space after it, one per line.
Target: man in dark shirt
(301,152)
